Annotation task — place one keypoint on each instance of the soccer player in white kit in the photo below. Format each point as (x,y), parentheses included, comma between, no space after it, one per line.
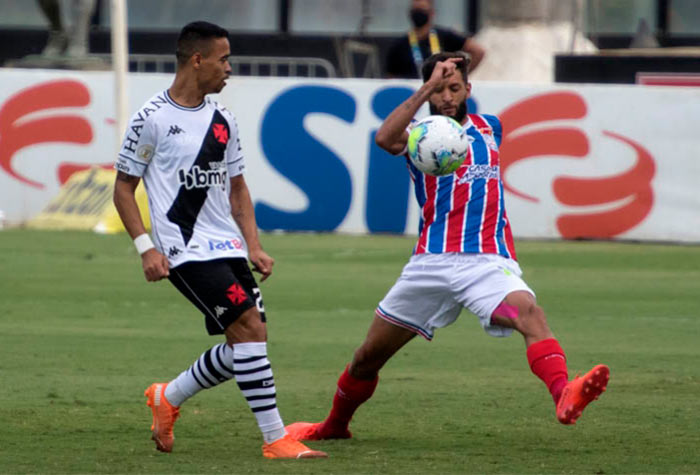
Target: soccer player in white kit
(464,258)
(186,149)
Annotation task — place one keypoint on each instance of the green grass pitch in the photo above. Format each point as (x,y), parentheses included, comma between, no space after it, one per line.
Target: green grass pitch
(82,335)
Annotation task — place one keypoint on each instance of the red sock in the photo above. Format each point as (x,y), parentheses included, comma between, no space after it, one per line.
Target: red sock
(548,362)
(351,393)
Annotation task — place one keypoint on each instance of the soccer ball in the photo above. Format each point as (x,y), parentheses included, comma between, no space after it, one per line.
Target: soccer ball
(438,145)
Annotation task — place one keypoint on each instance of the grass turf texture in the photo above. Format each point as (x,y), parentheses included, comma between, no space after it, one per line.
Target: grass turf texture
(82,335)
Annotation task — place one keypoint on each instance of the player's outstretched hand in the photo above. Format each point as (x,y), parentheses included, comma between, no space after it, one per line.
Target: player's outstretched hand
(442,71)
(262,263)
(155,265)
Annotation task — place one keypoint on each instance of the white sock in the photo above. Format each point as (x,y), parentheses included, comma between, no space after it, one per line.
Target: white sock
(254,377)
(213,367)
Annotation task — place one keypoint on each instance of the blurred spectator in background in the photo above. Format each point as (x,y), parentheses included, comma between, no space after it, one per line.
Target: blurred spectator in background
(71,42)
(406,55)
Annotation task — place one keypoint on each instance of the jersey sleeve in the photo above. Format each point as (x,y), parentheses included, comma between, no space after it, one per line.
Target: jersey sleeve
(235,163)
(495,124)
(138,146)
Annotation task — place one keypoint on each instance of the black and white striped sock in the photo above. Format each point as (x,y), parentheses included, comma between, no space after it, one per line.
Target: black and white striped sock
(254,377)
(213,367)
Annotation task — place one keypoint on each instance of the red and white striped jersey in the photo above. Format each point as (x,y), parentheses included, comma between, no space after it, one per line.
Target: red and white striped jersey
(465,211)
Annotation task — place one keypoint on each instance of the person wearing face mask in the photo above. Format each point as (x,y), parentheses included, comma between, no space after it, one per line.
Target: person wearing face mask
(406,54)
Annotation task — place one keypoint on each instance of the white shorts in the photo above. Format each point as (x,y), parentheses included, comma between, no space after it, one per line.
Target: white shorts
(433,289)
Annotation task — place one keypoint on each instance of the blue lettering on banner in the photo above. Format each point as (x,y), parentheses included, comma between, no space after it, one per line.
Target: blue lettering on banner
(293,152)
(388,182)
(321,174)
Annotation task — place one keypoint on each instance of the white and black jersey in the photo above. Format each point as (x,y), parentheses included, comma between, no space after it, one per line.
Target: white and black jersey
(186,157)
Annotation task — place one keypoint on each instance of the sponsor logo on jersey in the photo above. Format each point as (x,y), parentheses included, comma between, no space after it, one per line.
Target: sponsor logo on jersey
(174,251)
(174,130)
(229,244)
(138,121)
(198,178)
(474,172)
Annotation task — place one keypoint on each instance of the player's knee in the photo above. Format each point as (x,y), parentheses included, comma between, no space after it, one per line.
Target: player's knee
(534,319)
(247,328)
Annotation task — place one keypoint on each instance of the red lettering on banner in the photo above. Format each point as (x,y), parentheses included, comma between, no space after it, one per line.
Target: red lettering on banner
(633,184)
(16,133)
(566,141)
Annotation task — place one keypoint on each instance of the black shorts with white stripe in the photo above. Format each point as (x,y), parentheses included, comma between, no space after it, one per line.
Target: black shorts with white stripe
(221,289)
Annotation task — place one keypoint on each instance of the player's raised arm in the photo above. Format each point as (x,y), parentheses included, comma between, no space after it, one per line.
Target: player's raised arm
(392,135)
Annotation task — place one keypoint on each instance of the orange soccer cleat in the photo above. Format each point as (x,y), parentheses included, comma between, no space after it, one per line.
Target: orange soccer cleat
(288,448)
(164,416)
(312,431)
(579,392)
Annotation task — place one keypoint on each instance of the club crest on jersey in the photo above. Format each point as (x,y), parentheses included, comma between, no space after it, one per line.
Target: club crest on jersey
(198,178)
(490,141)
(220,133)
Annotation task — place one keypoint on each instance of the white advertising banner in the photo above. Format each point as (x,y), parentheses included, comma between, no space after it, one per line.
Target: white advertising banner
(578,161)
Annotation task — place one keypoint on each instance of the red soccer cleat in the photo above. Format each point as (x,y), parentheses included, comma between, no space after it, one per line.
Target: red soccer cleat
(580,392)
(313,431)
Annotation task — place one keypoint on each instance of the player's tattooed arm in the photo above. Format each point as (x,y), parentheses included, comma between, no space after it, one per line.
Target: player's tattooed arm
(392,135)
(155,265)
(121,176)
(125,202)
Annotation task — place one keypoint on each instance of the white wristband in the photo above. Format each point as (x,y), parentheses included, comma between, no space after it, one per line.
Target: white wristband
(143,243)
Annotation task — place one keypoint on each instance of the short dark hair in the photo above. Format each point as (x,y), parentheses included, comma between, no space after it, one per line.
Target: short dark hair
(194,38)
(429,64)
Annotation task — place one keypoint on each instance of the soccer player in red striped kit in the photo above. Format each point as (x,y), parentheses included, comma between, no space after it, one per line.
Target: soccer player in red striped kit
(464,258)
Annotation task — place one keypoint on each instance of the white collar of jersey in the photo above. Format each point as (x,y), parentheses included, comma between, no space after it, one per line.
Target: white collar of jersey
(181,107)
